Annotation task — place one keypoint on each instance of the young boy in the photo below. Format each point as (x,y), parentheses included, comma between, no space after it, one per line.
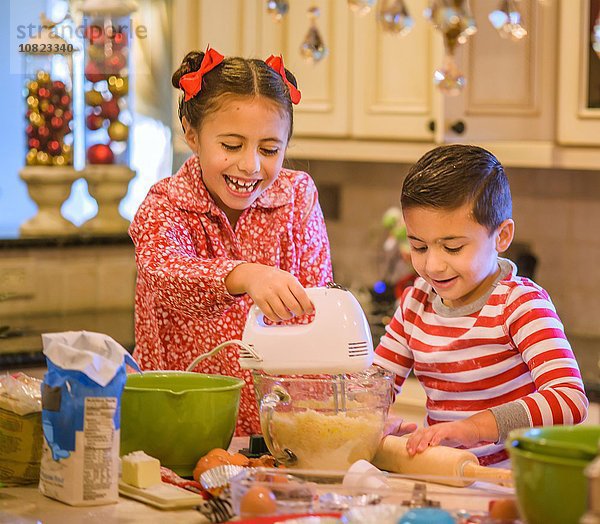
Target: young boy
(486,344)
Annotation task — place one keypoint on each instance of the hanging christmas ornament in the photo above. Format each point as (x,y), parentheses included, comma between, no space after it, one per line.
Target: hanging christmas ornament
(596,35)
(313,48)
(394,17)
(454,20)
(361,7)
(278,9)
(448,78)
(507,20)
(452,16)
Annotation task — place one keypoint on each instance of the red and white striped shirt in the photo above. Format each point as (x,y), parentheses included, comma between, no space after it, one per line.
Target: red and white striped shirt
(512,350)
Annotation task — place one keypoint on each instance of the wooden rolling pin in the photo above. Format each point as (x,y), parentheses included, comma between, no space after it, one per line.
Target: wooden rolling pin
(455,467)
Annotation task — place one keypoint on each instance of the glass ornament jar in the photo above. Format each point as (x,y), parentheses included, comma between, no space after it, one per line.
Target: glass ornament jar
(107,64)
(108,102)
(49,137)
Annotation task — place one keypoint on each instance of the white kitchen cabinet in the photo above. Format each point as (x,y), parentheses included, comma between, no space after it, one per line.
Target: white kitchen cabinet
(323,110)
(510,90)
(393,94)
(373,99)
(579,78)
(397,113)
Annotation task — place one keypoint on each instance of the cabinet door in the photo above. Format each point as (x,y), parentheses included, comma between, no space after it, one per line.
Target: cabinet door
(509,92)
(199,23)
(579,78)
(393,93)
(323,110)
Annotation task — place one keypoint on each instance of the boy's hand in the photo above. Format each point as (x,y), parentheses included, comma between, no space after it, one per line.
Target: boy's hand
(467,432)
(277,293)
(459,433)
(395,425)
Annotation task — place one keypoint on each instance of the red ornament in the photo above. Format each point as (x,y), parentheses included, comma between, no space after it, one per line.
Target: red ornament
(43,132)
(94,122)
(48,110)
(58,86)
(33,143)
(57,123)
(110,109)
(30,131)
(54,147)
(68,116)
(93,72)
(116,62)
(44,92)
(65,100)
(120,39)
(95,34)
(100,154)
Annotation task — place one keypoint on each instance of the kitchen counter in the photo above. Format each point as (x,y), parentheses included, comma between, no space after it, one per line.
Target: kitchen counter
(26,505)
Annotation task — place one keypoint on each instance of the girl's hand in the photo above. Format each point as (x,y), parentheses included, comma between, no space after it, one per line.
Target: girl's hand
(277,293)
(395,425)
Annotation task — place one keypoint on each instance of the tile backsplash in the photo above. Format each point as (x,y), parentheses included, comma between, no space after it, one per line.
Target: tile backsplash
(556,212)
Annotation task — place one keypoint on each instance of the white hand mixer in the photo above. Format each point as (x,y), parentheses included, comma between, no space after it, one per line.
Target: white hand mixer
(336,342)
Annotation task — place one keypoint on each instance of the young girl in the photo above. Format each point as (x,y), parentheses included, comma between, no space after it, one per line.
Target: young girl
(231,228)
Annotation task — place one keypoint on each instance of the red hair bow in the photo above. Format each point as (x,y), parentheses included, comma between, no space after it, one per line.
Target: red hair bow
(276,63)
(191,83)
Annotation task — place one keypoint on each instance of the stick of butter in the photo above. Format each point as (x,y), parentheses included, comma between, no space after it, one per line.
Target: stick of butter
(140,470)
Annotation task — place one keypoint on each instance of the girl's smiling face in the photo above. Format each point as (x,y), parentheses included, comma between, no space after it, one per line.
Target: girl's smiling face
(241,147)
(454,253)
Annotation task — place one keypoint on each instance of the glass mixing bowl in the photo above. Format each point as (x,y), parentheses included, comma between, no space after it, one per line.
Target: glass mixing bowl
(324,421)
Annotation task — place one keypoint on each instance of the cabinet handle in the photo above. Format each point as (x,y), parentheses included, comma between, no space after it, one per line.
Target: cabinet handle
(458,127)
(431,126)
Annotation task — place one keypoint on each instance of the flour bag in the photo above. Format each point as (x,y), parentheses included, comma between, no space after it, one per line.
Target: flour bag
(81,398)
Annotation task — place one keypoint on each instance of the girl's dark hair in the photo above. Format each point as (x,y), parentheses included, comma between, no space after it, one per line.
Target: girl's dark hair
(450,176)
(234,76)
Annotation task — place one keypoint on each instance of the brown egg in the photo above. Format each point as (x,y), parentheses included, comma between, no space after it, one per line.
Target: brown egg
(206,463)
(258,501)
(237,459)
(219,452)
(504,510)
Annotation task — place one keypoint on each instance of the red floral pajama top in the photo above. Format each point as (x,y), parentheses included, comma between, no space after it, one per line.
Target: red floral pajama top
(185,247)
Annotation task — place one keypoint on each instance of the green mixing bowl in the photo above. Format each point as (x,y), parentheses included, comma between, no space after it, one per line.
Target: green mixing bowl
(178,416)
(573,442)
(549,488)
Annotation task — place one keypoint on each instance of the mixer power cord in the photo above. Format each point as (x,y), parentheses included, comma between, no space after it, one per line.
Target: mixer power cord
(216,349)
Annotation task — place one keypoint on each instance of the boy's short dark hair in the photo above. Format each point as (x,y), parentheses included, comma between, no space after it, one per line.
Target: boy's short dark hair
(450,176)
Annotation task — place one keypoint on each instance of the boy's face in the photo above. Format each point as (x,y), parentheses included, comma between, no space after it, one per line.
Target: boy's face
(454,253)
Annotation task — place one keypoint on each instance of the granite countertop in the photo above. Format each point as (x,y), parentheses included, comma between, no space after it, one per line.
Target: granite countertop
(78,240)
